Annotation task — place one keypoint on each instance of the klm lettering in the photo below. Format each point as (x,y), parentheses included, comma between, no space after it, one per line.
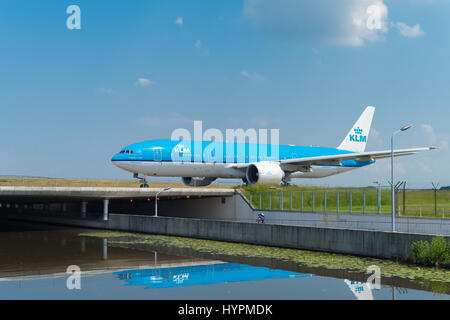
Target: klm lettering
(357,138)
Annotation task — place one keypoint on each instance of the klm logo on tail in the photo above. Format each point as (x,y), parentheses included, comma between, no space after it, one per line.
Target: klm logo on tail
(358,137)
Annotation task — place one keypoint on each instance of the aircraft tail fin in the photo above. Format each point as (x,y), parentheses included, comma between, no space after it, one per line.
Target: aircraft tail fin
(356,139)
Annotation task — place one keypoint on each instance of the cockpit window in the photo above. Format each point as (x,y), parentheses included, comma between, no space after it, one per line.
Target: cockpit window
(127,151)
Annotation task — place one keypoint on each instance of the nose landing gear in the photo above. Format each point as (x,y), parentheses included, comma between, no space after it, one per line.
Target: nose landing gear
(144,183)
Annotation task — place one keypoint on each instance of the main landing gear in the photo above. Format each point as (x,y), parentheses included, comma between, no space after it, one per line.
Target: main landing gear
(144,183)
(286,182)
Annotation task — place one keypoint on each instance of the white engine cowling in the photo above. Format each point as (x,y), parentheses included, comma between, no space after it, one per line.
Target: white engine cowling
(264,173)
(198,181)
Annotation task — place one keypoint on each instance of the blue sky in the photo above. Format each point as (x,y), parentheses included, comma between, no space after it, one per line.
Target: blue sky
(137,70)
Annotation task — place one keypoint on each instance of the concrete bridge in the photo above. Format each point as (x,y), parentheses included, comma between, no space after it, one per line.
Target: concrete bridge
(91,202)
(216,214)
(110,193)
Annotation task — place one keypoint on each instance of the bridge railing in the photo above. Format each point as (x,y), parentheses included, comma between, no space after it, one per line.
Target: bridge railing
(360,201)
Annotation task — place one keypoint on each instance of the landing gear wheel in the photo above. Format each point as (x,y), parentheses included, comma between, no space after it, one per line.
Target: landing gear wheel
(143,181)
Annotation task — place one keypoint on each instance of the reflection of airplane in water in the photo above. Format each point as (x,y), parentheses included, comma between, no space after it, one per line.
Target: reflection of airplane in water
(202,275)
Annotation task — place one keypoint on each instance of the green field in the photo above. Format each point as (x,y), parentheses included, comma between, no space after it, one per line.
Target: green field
(417,202)
(52,182)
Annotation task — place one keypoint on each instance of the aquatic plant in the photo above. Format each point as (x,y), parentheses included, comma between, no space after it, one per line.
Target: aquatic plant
(426,276)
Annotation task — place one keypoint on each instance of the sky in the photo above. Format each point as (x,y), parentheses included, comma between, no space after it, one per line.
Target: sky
(136,70)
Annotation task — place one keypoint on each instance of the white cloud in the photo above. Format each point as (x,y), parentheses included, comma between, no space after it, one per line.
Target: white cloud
(344,22)
(179,21)
(199,45)
(407,31)
(433,138)
(429,131)
(143,82)
(252,75)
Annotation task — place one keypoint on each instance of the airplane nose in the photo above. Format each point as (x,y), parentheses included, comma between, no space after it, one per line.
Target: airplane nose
(115,158)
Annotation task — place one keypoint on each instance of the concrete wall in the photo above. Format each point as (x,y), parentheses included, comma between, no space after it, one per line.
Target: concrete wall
(356,242)
(358,221)
(234,208)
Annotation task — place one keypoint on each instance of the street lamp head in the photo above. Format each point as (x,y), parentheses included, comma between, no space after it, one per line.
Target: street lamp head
(405,127)
(167,188)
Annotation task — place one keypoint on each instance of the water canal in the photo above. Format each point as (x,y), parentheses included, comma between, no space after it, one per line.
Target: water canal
(34,260)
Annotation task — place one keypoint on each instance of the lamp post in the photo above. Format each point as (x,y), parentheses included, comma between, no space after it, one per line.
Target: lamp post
(392,175)
(156,199)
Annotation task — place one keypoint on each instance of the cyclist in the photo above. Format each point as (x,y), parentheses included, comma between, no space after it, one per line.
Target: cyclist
(260,218)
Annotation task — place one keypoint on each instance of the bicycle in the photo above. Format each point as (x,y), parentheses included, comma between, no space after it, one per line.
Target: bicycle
(260,218)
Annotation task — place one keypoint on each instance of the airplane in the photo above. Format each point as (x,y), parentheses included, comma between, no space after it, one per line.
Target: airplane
(173,158)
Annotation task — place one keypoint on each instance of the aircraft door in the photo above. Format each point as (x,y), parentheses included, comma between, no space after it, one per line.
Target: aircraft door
(157,154)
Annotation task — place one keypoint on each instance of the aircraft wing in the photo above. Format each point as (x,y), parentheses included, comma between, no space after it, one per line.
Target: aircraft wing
(335,159)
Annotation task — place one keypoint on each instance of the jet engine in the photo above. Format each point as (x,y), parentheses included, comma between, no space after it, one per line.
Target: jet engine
(264,173)
(197,181)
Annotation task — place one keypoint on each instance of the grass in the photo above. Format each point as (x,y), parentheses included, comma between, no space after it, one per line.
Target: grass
(51,182)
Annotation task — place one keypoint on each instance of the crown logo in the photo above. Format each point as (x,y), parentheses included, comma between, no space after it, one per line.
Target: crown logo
(358,130)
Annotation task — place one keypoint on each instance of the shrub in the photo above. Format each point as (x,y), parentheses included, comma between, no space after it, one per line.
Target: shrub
(435,253)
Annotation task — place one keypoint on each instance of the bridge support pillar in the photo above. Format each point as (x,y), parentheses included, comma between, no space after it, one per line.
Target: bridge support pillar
(105,209)
(105,249)
(83,209)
